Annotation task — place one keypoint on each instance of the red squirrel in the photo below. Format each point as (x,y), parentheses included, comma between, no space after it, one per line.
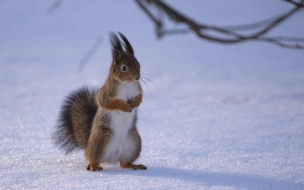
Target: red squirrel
(103,122)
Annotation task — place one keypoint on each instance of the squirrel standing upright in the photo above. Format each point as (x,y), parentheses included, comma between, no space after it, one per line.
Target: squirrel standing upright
(103,122)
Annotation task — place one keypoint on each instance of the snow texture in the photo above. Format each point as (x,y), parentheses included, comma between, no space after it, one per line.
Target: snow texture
(214,117)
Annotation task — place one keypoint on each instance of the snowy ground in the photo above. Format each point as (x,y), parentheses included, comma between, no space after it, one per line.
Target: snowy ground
(215,117)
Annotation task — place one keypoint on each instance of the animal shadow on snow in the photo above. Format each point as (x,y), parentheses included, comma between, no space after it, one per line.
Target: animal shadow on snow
(246,181)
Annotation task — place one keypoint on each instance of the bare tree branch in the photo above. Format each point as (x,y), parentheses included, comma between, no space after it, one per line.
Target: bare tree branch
(296,3)
(230,33)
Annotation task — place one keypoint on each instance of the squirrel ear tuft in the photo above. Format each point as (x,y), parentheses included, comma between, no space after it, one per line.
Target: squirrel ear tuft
(116,46)
(126,44)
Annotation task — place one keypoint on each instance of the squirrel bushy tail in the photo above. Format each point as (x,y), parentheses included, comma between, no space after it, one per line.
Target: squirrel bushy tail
(75,120)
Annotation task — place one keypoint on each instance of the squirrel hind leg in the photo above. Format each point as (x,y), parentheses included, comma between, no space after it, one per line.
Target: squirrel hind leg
(133,166)
(94,167)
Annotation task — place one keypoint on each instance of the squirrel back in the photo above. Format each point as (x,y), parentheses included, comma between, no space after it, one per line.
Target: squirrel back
(75,119)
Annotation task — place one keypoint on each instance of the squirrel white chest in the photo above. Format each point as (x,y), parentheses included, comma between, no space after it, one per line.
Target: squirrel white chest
(127,91)
(120,124)
(122,121)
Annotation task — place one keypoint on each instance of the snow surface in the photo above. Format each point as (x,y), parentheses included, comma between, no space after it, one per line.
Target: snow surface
(215,116)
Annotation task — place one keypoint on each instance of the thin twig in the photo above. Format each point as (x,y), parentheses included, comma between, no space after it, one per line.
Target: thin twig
(89,54)
(54,6)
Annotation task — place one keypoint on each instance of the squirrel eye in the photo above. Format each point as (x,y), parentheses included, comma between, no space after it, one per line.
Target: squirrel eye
(124,68)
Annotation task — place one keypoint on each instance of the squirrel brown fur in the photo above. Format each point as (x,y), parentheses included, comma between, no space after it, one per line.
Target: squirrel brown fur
(103,122)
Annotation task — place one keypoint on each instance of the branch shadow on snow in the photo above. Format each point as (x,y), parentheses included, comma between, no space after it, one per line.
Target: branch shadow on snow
(221,179)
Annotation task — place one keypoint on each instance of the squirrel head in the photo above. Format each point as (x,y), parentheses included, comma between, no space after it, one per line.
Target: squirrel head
(125,67)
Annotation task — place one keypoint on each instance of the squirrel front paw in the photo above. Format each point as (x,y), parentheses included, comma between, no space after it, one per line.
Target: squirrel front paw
(133,103)
(127,108)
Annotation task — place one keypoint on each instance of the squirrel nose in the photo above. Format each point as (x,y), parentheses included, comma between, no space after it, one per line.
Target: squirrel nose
(137,77)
